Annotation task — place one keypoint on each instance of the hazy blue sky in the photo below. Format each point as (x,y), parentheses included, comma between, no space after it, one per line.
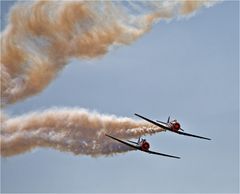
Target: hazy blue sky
(188,69)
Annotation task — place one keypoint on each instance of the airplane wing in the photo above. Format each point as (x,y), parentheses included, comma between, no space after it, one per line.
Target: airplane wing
(138,148)
(124,142)
(167,128)
(161,122)
(191,135)
(157,153)
(132,141)
(153,122)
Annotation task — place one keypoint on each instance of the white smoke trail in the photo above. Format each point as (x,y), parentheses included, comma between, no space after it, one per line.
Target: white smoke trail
(40,39)
(72,130)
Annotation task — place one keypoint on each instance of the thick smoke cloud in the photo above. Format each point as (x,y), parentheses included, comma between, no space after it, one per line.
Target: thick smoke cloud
(42,36)
(73,130)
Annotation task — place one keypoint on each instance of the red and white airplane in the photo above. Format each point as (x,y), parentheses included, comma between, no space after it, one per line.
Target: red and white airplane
(173,126)
(141,145)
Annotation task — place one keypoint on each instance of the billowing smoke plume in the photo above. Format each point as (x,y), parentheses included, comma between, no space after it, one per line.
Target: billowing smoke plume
(73,130)
(41,38)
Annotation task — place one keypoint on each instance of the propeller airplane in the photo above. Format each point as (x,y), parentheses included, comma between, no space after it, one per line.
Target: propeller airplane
(173,126)
(141,145)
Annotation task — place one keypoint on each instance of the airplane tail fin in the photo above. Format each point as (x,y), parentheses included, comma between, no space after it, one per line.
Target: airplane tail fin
(139,139)
(168,119)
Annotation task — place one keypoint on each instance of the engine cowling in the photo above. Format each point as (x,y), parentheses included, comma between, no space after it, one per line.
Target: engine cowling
(145,146)
(176,126)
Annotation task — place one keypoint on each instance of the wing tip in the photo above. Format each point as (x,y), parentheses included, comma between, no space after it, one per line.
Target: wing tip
(108,135)
(177,157)
(206,138)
